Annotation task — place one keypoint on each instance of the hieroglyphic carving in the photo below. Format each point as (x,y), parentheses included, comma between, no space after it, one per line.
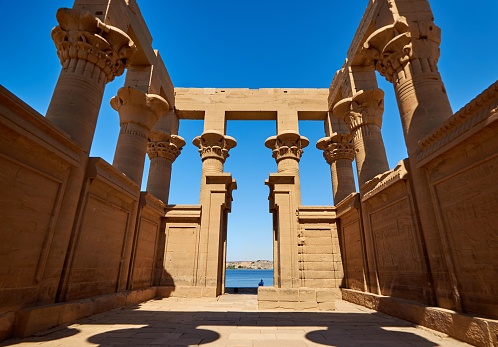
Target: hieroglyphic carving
(399,261)
(470,214)
(353,252)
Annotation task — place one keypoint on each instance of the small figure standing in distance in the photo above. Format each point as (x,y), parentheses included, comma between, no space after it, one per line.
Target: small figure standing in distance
(261,283)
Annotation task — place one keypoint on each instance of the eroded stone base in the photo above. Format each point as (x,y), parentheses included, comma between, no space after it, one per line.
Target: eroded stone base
(474,330)
(297,299)
(31,320)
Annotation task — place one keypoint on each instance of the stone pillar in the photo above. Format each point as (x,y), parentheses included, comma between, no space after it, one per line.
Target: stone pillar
(92,54)
(163,149)
(407,55)
(215,199)
(285,198)
(138,112)
(363,115)
(338,151)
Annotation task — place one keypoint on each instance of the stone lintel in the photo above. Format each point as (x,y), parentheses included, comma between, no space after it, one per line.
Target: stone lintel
(99,168)
(252,104)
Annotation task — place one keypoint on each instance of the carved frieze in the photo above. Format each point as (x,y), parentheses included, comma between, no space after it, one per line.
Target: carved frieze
(163,145)
(81,36)
(213,144)
(287,145)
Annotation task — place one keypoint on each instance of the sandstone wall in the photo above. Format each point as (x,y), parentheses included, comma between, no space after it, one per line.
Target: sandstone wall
(383,247)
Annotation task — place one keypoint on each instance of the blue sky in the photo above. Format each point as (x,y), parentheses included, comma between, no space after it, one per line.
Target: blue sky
(250,44)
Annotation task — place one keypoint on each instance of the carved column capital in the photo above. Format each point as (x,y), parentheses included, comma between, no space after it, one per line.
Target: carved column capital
(135,106)
(163,145)
(287,145)
(81,36)
(213,144)
(365,107)
(338,146)
(393,46)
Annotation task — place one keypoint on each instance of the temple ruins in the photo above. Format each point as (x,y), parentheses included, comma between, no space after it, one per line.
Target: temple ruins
(418,241)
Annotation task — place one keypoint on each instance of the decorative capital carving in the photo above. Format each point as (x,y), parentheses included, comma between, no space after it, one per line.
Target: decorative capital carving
(393,46)
(338,146)
(163,145)
(365,107)
(288,144)
(80,35)
(135,106)
(213,144)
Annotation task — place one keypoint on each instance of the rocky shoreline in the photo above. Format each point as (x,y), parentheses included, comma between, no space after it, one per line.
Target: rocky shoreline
(250,264)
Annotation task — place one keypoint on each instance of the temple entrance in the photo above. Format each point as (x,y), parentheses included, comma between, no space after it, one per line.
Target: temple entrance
(249,244)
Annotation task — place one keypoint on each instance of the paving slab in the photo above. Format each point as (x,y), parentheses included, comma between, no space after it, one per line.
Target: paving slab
(234,320)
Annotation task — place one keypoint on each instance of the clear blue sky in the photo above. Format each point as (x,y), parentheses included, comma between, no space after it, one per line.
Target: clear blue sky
(250,44)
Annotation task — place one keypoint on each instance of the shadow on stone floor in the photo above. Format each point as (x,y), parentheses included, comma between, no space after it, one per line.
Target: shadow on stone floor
(186,328)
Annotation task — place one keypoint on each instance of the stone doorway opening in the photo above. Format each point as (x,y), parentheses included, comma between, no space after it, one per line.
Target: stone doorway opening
(249,241)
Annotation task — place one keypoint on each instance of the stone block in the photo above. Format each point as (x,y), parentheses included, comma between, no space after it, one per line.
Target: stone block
(307,295)
(493,332)
(165,291)
(287,305)
(6,324)
(268,305)
(104,303)
(119,300)
(328,295)
(31,320)
(302,306)
(326,306)
(75,310)
(267,294)
(469,329)
(288,294)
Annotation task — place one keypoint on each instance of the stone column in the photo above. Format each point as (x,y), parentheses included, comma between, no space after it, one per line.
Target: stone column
(163,149)
(338,151)
(363,115)
(285,198)
(138,112)
(407,55)
(215,199)
(92,54)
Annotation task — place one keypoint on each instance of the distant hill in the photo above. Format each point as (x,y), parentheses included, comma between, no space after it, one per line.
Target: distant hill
(248,264)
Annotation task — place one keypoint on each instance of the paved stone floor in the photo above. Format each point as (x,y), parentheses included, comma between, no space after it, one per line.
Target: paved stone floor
(234,320)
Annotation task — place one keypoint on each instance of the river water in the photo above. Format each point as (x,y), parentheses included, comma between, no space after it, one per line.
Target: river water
(247,278)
